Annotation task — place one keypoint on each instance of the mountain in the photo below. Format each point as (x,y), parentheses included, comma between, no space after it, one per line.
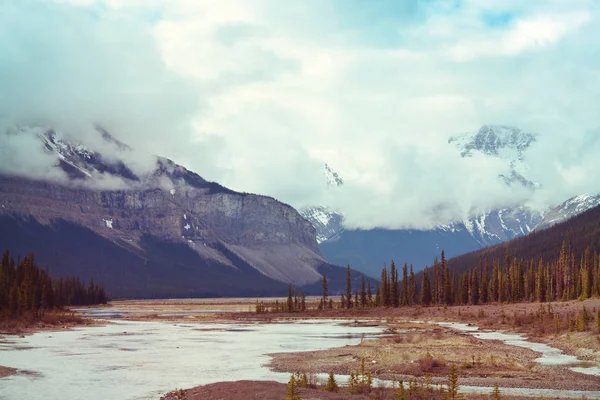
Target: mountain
(507,143)
(368,250)
(160,232)
(581,232)
(569,209)
(327,222)
(499,226)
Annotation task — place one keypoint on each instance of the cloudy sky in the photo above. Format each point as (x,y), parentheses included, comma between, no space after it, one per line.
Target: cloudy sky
(259,94)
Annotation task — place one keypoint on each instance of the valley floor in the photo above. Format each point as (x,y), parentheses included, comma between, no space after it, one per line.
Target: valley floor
(414,345)
(412,348)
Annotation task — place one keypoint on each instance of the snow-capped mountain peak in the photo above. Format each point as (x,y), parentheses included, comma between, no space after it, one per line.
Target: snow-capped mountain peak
(333,178)
(504,142)
(78,161)
(492,140)
(327,223)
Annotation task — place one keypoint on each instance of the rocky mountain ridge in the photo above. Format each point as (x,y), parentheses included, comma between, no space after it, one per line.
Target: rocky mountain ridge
(570,208)
(169,204)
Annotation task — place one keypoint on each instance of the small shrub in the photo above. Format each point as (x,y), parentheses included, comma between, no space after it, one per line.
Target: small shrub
(400,395)
(332,385)
(452,383)
(428,363)
(292,389)
(496,393)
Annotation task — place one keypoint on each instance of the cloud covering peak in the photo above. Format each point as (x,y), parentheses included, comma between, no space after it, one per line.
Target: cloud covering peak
(259,97)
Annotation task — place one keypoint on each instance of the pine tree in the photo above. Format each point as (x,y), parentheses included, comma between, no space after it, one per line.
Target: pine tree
(400,394)
(425,288)
(332,385)
(292,390)
(540,288)
(483,287)
(324,294)
(436,276)
(494,289)
(412,287)
(383,295)
(290,302)
(405,294)
(369,294)
(447,283)
(363,293)
(452,383)
(348,288)
(393,292)
(464,289)
(474,288)
(496,393)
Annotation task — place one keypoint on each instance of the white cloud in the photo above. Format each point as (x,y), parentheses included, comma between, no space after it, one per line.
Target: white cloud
(258,96)
(533,33)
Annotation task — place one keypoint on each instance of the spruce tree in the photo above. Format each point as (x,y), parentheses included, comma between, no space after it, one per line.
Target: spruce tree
(383,295)
(452,383)
(412,287)
(332,385)
(363,292)
(324,294)
(290,302)
(425,288)
(393,292)
(348,288)
(405,294)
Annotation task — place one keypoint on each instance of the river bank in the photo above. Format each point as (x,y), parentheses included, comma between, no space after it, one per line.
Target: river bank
(414,344)
(417,347)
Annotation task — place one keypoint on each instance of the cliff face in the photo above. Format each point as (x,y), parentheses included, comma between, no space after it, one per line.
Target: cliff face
(234,233)
(268,235)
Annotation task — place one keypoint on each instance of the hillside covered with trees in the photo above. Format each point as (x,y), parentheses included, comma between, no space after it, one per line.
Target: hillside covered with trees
(558,263)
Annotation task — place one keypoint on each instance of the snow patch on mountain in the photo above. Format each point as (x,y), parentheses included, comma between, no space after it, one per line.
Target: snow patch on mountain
(495,140)
(569,209)
(504,142)
(333,179)
(327,223)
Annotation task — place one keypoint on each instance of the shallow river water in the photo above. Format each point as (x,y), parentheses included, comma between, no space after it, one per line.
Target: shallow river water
(142,360)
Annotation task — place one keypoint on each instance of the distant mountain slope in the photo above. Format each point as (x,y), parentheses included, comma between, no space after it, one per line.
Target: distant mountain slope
(160,232)
(570,208)
(369,250)
(582,231)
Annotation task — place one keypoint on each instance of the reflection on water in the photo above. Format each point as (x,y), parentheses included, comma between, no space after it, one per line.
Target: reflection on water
(142,360)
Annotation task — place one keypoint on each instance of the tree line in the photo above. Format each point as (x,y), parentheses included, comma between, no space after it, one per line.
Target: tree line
(510,280)
(25,288)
